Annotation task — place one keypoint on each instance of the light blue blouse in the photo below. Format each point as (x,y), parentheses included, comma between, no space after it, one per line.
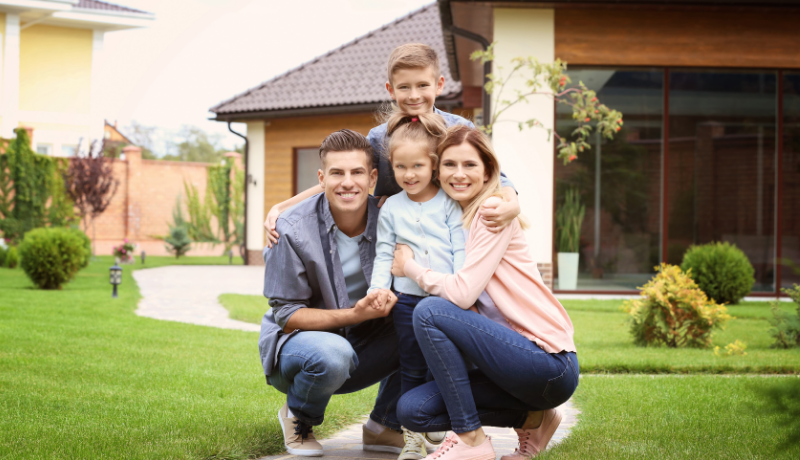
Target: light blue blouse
(433,230)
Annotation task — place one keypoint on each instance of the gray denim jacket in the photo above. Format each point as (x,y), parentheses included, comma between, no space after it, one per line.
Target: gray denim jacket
(303,270)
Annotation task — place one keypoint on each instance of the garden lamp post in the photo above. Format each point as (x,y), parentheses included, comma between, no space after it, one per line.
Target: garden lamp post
(115,278)
(142,257)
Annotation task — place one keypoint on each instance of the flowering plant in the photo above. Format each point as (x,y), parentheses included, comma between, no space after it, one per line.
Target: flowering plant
(124,251)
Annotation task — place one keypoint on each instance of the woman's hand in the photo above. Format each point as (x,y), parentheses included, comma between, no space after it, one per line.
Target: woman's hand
(496,216)
(402,254)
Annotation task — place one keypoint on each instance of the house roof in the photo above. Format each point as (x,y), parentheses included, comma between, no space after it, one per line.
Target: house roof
(95,5)
(351,75)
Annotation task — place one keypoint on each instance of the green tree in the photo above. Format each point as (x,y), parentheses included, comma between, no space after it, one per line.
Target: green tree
(196,145)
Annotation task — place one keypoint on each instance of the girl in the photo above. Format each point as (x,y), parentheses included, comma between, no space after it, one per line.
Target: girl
(423,217)
(518,335)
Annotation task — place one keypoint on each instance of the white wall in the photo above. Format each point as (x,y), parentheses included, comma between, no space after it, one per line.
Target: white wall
(255,192)
(10,85)
(527,156)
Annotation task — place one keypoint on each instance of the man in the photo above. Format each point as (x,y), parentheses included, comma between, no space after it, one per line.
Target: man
(323,334)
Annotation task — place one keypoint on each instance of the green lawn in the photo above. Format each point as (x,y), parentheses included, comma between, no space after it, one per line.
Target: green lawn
(81,376)
(605,345)
(247,308)
(681,417)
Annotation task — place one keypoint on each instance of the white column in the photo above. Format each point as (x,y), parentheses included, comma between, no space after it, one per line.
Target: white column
(255,186)
(10,86)
(527,156)
(97,108)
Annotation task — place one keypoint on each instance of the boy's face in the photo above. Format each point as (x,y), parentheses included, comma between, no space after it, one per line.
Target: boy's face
(415,90)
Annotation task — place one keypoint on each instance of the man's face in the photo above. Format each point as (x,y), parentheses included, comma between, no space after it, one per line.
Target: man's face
(346,179)
(415,90)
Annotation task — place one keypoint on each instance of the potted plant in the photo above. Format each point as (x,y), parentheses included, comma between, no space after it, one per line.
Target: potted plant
(569,219)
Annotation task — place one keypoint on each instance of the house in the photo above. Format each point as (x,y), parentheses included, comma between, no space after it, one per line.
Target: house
(288,116)
(710,148)
(51,55)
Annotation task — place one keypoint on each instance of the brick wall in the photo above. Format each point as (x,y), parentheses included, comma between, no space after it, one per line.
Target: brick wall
(142,207)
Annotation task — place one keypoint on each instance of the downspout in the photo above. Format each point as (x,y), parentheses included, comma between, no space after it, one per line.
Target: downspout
(446,15)
(246,186)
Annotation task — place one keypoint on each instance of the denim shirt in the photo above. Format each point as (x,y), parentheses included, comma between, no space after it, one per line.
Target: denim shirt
(387,185)
(303,270)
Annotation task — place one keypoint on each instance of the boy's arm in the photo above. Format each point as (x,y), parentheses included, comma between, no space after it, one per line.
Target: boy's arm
(275,212)
(497,216)
(384,252)
(457,240)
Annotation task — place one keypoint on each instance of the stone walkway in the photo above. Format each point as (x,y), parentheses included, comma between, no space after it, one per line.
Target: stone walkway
(189,294)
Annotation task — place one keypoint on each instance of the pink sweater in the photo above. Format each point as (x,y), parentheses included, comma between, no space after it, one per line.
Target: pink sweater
(501,264)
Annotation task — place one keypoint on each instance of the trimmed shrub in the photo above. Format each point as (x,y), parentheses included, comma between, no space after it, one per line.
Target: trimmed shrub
(3,252)
(51,256)
(673,311)
(12,257)
(786,326)
(87,245)
(178,241)
(721,270)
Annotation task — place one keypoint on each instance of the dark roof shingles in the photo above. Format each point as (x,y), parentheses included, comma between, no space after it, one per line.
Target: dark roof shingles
(354,73)
(96,5)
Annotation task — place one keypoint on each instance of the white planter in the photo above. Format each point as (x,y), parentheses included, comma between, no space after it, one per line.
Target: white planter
(568,270)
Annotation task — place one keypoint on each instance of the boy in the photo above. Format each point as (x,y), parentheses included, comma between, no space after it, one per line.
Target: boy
(414,81)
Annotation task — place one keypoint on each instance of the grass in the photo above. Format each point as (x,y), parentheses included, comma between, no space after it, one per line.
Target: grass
(247,308)
(605,346)
(81,376)
(678,417)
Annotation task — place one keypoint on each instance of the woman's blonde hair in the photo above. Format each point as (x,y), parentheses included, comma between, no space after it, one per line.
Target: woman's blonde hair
(425,128)
(460,134)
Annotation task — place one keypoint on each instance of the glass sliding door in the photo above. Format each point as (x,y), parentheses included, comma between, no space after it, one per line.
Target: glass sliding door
(790,216)
(618,181)
(722,161)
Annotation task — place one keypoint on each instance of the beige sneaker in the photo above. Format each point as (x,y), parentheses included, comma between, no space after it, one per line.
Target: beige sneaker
(297,436)
(415,446)
(435,437)
(388,440)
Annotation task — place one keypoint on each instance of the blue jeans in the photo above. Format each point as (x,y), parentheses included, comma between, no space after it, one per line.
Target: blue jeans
(513,374)
(413,368)
(313,366)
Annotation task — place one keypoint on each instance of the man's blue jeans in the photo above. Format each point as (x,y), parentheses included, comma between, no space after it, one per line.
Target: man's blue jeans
(313,366)
(514,375)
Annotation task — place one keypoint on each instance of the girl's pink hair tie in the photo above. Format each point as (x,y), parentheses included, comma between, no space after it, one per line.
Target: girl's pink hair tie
(414,119)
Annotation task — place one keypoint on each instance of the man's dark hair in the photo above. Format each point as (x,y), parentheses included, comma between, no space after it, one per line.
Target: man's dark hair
(345,140)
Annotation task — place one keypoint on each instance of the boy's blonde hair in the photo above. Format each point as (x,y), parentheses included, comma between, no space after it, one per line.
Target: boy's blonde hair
(425,128)
(413,56)
(460,134)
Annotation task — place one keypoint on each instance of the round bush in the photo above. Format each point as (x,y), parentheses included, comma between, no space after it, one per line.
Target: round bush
(51,256)
(721,270)
(12,258)
(87,245)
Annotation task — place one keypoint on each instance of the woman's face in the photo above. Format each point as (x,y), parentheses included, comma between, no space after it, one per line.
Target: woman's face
(462,172)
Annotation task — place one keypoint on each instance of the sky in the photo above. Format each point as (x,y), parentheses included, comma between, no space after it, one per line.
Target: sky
(198,53)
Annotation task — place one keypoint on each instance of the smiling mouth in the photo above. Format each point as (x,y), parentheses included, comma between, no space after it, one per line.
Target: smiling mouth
(411,184)
(459,187)
(347,195)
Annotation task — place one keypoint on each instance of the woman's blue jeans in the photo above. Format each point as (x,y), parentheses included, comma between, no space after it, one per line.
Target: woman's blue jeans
(514,375)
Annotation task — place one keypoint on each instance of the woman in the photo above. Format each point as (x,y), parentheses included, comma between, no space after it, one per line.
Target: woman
(516,333)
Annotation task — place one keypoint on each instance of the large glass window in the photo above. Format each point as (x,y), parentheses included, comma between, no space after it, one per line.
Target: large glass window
(722,155)
(306,166)
(618,181)
(790,237)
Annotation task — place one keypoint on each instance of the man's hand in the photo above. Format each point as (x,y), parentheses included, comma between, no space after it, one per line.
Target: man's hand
(377,304)
(269,224)
(496,216)
(402,253)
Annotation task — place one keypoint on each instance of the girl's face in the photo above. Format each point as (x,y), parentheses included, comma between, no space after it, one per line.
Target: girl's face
(413,170)
(462,172)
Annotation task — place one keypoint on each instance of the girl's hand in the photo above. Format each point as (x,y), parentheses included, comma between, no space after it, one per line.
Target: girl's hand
(269,225)
(496,216)
(402,254)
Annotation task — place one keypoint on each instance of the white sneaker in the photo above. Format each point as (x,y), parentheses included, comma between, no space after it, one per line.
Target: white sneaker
(414,448)
(435,437)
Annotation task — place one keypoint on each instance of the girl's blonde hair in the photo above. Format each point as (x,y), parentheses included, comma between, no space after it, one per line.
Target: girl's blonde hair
(425,128)
(460,134)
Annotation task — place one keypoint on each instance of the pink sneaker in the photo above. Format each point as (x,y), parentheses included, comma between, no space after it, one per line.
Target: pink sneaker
(533,441)
(453,448)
